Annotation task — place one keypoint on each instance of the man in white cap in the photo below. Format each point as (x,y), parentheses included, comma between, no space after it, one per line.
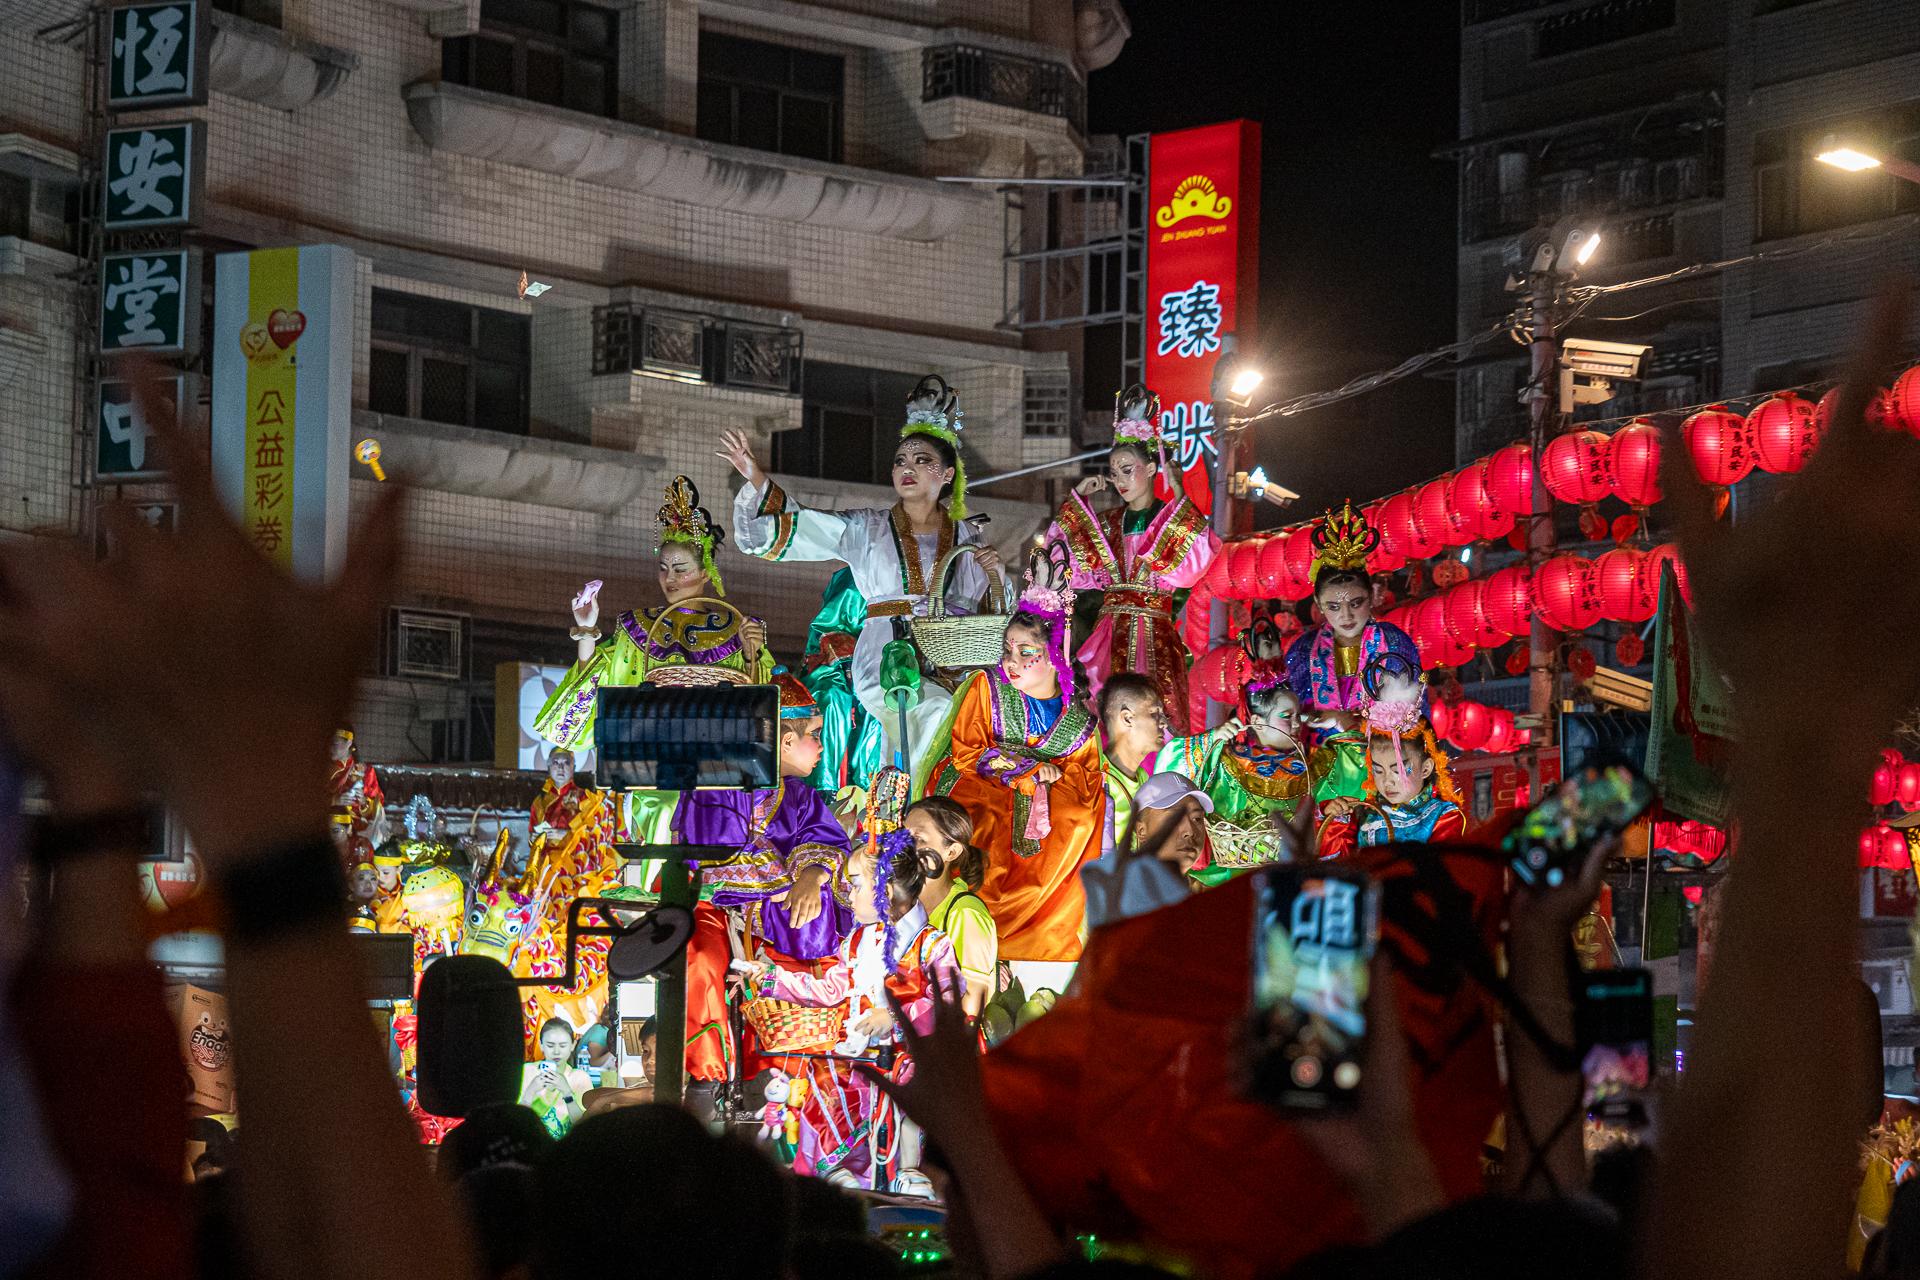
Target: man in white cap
(1149,868)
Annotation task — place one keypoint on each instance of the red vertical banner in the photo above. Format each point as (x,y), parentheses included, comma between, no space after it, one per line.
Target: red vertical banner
(1203,244)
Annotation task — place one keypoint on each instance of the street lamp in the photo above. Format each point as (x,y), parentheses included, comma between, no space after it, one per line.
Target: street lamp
(1245,380)
(1853,156)
(1234,381)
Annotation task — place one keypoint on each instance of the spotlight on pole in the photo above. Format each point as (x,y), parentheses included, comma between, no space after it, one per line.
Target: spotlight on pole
(1844,153)
(1588,247)
(1245,382)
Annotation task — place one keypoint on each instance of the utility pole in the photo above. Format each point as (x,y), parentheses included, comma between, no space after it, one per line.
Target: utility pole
(1544,409)
(1231,519)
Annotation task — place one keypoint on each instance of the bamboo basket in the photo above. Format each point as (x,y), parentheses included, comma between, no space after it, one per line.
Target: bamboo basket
(784,1027)
(955,642)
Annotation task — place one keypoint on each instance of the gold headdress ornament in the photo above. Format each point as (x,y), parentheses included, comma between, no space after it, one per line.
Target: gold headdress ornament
(1342,542)
(684,520)
(934,410)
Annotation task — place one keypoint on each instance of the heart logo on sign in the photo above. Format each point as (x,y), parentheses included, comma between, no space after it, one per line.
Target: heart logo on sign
(255,342)
(285,327)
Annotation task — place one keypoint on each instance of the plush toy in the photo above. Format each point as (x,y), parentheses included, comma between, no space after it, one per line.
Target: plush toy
(780,1118)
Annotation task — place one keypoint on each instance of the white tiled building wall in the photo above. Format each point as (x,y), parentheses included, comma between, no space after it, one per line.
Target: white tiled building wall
(350,168)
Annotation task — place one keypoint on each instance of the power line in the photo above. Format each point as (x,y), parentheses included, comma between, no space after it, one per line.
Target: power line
(1582,297)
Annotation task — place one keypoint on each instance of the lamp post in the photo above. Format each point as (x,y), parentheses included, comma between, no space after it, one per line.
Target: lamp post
(1232,386)
(1854,156)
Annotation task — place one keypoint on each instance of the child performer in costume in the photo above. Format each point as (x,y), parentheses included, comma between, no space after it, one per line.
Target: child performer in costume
(1139,554)
(943,833)
(1255,776)
(893,553)
(1024,761)
(850,1133)
(680,633)
(357,799)
(786,888)
(1324,665)
(1410,797)
(852,742)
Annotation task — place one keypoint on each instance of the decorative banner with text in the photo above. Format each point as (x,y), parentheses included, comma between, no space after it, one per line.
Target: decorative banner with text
(283,401)
(1203,239)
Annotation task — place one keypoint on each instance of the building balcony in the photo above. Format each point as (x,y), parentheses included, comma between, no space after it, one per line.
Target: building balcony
(487,464)
(685,346)
(1004,79)
(709,175)
(256,62)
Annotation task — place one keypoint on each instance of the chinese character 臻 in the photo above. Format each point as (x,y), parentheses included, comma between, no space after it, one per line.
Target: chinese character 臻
(1190,320)
(139,285)
(267,533)
(269,487)
(126,426)
(270,452)
(143,166)
(162,42)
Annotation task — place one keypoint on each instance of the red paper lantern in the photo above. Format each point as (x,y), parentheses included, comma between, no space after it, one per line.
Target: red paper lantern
(1785,431)
(1629,649)
(1510,479)
(1581,662)
(1518,661)
(1468,494)
(1272,564)
(1574,467)
(1243,570)
(1508,600)
(1894,853)
(1222,673)
(1617,578)
(1421,539)
(1870,845)
(1398,529)
(1721,448)
(1457,609)
(1501,732)
(1440,717)
(1823,411)
(1650,566)
(1633,464)
(1565,593)
(1906,786)
(1217,581)
(1881,790)
(1487,634)
(1384,558)
(1297,582)
(1436,513)
(1472,722)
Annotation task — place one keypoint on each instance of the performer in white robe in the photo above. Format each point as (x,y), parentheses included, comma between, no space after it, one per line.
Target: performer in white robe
(893,553)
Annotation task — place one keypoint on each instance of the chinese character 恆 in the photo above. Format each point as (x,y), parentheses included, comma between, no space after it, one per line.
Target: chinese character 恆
(267,533)
(143,166)
(138,286)
(269,487)
(126,426)
(161,42)
(270,452)
(1190,320)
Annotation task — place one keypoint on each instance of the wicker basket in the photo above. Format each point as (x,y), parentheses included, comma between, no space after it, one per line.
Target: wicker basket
(784,1027)
(690,675)
(959,641)
(1238,845)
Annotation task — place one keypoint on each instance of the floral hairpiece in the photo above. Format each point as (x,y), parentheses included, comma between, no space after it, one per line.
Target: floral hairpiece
(1050,599)
(684,520)
(934,410)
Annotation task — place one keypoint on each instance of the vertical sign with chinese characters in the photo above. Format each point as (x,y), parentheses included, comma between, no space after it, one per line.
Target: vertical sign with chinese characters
(159,56)
(150,302)
(122,435)
(153,175)
(283,400)
(1203,219)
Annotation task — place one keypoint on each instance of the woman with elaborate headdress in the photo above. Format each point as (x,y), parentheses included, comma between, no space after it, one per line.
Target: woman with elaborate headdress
(893,552)
(1139,553)
(710,643)
(1021,756)
(1327,665)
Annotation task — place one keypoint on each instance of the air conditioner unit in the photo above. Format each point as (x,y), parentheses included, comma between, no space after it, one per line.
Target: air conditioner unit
(427,646)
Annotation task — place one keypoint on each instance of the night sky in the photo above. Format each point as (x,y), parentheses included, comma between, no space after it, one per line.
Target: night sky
(1357,227)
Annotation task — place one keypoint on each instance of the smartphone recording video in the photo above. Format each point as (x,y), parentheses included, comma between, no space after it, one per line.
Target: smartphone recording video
(1613,1016)
(1314,937)
(1546,847)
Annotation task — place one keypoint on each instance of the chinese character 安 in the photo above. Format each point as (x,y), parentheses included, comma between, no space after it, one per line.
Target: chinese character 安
(143,165)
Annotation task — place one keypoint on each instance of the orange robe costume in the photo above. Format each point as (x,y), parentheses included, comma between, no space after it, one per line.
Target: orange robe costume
(1036,835)
(1120,1112)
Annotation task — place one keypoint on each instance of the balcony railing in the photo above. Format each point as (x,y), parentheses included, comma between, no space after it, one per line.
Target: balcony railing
(687,346)
(1626,189)
(1006,79)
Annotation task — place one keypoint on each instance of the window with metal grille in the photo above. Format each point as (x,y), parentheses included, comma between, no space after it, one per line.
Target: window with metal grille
(427,646)
(448,362)
(771,97)
(1795,194)
(560,52)
(850,424)
(1045,400)
(1594,25)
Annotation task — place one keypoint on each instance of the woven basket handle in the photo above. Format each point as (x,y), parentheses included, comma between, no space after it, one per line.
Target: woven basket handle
(999,591)
(740,619)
